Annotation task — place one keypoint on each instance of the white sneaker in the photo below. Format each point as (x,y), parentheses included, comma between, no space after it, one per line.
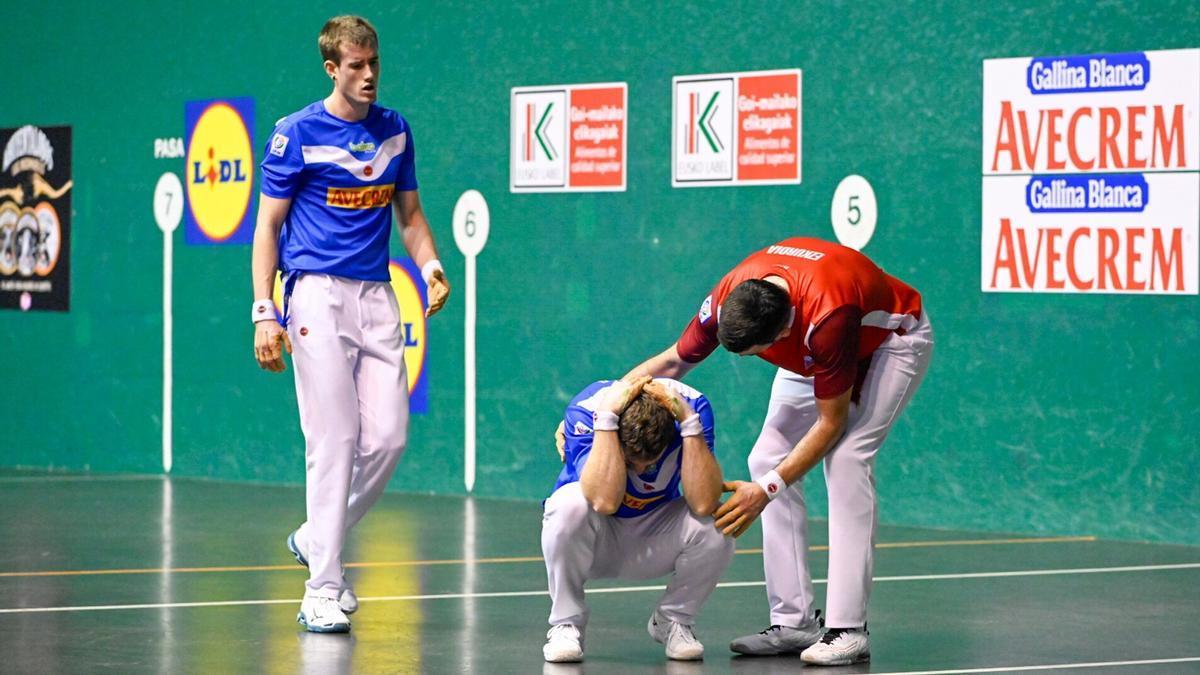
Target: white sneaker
(681,642)
(322,615)
(839,647)
(564,644)
(347,600)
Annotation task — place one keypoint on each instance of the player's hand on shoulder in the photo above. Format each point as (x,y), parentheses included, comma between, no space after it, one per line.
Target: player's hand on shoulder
(621,393)
(270,341)
(670,399)
(439,291)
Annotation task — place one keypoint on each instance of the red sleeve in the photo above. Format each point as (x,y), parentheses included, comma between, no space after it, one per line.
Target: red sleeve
(698,340)
(833,345)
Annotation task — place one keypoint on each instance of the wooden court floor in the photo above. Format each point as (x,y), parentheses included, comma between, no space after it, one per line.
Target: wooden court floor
(142,574)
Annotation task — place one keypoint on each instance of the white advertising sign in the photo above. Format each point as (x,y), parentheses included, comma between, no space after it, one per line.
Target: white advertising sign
(1091,173)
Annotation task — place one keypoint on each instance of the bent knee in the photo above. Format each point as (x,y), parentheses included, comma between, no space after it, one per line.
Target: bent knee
(389,441)
(708,538)
(567,506)
(763,459)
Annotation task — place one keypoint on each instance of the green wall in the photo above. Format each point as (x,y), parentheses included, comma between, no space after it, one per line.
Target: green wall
(1041,413)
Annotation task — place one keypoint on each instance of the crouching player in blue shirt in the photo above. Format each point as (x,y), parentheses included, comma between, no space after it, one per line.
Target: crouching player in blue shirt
(617,510)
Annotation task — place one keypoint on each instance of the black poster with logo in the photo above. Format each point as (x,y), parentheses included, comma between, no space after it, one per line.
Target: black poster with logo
(35,218)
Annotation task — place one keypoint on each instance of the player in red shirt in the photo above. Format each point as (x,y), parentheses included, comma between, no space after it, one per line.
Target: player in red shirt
(852,344)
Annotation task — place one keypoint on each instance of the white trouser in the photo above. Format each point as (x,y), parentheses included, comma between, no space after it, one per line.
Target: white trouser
(352,389)
(580,544)
(897,368)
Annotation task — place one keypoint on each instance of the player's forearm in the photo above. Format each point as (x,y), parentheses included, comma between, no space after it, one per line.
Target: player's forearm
(664,364)
(418,238)
(700,476)
(815,444)
(832,414)
(602,479)
(264,257)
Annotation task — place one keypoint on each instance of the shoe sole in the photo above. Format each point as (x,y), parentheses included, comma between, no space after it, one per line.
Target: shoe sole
(748,651)
(335,628)
(777,652)
(861,658)
(564,659)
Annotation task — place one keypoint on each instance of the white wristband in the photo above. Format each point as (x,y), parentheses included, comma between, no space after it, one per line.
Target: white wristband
(262,310)
(771,483)
(429,268)
(691,426)
(605,420)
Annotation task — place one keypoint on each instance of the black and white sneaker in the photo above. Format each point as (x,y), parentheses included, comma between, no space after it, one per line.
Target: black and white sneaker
(839,647)
(564,644)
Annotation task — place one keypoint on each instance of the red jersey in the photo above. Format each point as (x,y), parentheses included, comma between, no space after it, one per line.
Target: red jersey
(845,308)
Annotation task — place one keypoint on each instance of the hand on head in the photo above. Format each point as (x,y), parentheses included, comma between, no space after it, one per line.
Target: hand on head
(669,399)
(621,393)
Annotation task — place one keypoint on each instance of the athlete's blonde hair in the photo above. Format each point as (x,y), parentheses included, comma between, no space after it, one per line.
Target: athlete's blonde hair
(347,28)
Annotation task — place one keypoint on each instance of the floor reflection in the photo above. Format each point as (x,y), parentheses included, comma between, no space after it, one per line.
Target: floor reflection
(326,654)
(466,663)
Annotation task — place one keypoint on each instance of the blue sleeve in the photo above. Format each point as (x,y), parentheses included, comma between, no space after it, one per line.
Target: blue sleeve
(577,425)
(406,177)
(702,408)
(283,161)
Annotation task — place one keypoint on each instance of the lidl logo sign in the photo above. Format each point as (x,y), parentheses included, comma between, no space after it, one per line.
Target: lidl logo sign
(736,129)
(568,137)
(410,294)
(220,171)
(409,288)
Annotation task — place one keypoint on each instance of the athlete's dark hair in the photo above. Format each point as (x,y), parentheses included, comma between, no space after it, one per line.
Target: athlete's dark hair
(754,313)
(645,429)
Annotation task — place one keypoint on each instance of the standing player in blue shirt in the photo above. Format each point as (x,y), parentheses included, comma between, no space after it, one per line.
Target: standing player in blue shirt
(628,449)
(332,175)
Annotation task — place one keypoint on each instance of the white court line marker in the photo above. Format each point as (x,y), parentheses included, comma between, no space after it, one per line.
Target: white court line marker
(1056,666)
(89,478)
(617,589)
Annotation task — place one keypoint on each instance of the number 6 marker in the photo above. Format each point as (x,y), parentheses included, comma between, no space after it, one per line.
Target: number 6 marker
(471,223)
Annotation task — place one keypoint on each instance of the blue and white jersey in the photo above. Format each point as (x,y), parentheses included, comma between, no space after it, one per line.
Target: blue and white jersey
(341,177)
(643,492)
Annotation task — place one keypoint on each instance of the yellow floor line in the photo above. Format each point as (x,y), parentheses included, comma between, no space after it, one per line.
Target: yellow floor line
(518,559)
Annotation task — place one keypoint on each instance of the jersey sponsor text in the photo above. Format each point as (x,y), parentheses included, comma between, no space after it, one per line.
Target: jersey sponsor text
(795,252)
(638,503)
(369,197)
